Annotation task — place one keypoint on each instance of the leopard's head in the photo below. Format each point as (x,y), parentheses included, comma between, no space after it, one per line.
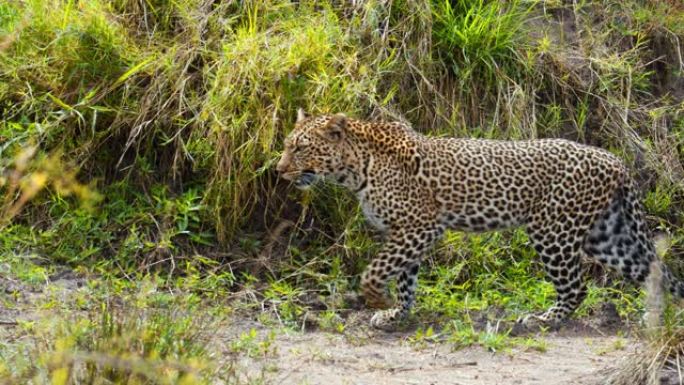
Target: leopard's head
(318,148)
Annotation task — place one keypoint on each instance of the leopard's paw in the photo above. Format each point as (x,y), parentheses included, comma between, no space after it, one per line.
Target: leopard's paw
(387,319)
(537,322)
(531,320)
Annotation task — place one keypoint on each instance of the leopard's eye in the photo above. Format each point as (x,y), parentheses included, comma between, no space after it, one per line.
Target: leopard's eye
(300,145)
(291,145)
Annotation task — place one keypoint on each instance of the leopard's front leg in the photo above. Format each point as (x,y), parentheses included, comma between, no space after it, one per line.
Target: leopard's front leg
(400,258)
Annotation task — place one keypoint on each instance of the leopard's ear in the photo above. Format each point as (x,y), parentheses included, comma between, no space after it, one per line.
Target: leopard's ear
(301,115)
(335,128)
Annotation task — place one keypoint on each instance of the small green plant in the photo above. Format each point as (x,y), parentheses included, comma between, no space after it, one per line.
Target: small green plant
(535,343)
(331,321)
(462,334)
(659,201)
(495,341)
(283,297)
(248,343)
(24,268)
(422,337)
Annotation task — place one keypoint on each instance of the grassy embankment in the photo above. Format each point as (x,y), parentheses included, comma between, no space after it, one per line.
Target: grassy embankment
(137,142)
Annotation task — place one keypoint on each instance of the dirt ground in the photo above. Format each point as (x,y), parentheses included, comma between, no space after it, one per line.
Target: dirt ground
(324,359)
(574,354)
(365,356)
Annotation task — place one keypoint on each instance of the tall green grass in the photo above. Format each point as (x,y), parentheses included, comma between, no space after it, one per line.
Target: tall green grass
(483,44)
(176,111)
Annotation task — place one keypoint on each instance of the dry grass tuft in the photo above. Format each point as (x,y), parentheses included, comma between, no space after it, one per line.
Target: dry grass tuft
(661,360)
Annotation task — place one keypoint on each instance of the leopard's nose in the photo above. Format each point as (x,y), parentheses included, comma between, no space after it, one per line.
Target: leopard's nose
(281,167)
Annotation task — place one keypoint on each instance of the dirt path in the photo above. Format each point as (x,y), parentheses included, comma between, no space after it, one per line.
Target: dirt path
(389,358)
(361,355)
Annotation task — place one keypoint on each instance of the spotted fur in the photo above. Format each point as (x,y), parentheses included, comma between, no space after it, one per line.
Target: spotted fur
(573,200)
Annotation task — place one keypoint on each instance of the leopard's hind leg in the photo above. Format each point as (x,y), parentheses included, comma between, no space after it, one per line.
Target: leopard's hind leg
(561,254)
(558,230)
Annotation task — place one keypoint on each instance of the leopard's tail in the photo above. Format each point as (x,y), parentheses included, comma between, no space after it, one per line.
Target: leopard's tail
(660,272)
(672,283)
(659,279)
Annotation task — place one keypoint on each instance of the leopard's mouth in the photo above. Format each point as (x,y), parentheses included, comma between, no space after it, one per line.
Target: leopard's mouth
(302,180)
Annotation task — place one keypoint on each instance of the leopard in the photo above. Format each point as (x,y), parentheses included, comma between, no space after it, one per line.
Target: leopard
(576,202)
